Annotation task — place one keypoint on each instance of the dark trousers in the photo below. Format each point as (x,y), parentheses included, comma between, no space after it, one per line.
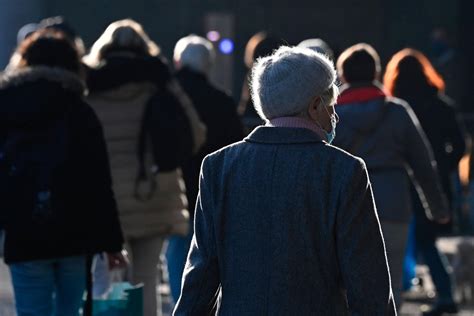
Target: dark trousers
(425,244)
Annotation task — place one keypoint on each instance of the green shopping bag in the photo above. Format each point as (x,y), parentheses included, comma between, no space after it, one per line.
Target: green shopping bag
(123,300)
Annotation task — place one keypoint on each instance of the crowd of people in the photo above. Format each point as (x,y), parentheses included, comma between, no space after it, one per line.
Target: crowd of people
(302,199)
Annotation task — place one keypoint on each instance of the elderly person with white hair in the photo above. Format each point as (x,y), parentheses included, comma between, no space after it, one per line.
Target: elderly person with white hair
(193,58)
(285,223)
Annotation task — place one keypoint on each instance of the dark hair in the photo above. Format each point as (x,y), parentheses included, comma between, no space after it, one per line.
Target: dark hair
(261,45)
(49,48)
(409,72)
(359,63)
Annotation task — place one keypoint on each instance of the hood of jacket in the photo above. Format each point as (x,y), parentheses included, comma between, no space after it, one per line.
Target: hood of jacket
(119,70)
(33,96)
(363,107)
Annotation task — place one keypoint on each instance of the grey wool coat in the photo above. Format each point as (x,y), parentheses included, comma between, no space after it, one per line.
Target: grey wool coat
(285,225)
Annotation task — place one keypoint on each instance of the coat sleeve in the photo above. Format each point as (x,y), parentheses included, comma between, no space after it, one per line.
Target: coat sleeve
(361,249)
(455,130)
(421,160)
(201,275)
(105,231)
(198,128)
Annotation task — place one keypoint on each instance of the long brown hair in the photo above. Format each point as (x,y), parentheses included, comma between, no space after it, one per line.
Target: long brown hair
(47,47)
(408,71)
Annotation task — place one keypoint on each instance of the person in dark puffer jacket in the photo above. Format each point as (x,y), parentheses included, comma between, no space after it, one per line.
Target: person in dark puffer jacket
(47,259)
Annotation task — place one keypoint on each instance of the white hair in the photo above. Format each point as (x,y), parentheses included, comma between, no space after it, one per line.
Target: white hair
(285,83)
(124,34)
(319,46)
(194,52)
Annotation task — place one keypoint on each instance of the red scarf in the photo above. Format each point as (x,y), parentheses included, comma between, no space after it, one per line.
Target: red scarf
(360,94)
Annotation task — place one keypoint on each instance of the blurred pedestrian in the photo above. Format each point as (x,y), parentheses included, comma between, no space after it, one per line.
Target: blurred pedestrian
(385,132)
(411,76)
(260,45)
(59,23)
(285,223)
(319,46)
(138,111)
(193,58)
(55,186)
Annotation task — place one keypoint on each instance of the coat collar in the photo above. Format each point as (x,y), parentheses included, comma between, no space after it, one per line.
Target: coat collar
(19,76)
(282,135)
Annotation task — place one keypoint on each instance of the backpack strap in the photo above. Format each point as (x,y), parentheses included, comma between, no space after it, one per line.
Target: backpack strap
(142,175)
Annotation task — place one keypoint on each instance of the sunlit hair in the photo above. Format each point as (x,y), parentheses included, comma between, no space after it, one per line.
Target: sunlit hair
(122,36)
(250,48)
(49,48)
(261,45)
(194,52)
(409,70)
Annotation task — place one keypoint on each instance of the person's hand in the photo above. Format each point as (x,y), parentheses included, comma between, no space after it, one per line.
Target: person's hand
(118,260)
(444,220)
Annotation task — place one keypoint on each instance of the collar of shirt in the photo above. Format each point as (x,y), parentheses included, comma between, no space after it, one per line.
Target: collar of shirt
(296,122)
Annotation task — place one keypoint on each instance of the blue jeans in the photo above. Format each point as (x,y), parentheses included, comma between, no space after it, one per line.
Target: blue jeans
(176,255)
(409,265)
(49,287)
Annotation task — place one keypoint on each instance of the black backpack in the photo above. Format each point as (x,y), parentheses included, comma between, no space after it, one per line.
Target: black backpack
(28,157)
(166,129)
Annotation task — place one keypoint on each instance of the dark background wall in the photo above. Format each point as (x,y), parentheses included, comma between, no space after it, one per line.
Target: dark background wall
(389,25)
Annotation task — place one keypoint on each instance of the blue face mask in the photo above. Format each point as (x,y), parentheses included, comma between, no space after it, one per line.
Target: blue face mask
(332,134)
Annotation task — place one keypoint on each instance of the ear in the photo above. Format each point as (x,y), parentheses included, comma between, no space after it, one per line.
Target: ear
(342,79)
(313,109)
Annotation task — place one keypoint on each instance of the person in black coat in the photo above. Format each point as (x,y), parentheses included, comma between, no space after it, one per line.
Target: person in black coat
(58,203)
(193,57)
(411,76)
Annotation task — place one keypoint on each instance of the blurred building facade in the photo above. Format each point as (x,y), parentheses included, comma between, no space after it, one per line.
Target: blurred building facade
(388,24)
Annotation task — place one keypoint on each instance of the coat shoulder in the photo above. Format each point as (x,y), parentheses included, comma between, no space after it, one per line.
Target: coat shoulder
(343,157)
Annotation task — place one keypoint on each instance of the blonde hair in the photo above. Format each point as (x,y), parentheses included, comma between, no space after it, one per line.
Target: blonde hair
(126,35)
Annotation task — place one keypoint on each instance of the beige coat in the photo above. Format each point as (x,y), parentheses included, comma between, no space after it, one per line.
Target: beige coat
(120,111)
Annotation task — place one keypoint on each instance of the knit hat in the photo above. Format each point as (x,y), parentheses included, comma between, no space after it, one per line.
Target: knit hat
(284,83)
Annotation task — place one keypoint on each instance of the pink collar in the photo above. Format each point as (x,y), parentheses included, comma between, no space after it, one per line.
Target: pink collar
(296,122)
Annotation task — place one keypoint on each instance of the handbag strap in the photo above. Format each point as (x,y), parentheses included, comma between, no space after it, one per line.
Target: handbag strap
(89,284)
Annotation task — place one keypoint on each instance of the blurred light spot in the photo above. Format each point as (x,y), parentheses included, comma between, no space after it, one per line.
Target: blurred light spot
(213,36)
(448,147)
(226,46)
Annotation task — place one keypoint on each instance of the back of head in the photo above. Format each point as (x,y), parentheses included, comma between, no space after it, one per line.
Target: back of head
(49,48)
(261,45)
(318,45)
(124,36)
(194,52)
(284,84)
(59,23)
(410,73)
(359,63)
